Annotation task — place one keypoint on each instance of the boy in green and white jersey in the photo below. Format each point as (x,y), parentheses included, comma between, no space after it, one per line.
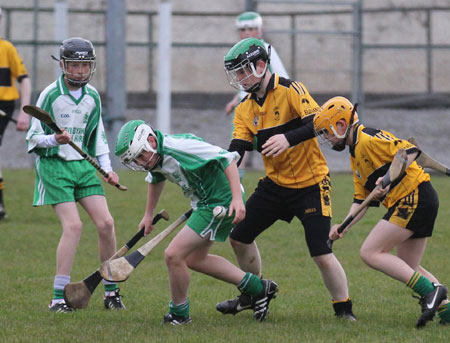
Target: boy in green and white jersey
(208,175)
(63,177)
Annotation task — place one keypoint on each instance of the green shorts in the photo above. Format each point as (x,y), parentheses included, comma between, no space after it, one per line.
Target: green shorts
(203,222)
(60,181)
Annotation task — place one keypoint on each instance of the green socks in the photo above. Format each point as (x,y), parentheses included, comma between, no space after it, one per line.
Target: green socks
(420,284)
(181,310)
(109,288)
(250,284)
(444,313)
(58,294)
(58,286)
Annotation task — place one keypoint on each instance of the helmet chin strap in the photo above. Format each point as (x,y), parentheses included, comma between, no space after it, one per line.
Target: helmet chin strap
(341,145)
(149,148)
(257,86)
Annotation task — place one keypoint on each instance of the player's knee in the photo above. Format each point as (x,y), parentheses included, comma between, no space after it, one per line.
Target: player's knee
(325,261)
(109,222)
(236,245)
(366,255)
(106,226)
(171,257)
(73,229)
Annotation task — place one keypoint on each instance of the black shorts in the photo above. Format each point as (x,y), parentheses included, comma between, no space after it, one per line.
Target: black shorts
(270,202)
(417,211)
(8,108)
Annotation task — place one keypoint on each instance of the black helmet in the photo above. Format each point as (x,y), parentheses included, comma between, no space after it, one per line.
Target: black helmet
(77,49)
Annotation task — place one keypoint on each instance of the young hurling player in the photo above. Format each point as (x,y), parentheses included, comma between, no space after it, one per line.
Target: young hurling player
(279,113)
(207,175)
(63,177)
(411,201)
(250,25)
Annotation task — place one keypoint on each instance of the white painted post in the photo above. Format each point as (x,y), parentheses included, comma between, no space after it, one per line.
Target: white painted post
(61,31)
(163,101)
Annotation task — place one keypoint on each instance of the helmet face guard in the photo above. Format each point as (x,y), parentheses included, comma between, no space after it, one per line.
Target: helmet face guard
(77,50)
(325,122)
(239,75)
(240,64)
(132,141)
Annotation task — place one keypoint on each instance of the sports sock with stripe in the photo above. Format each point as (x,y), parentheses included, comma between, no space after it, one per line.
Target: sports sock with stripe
(444,313)
(250,284)
(181,310)
(110,287)
(58,288)
(420,284)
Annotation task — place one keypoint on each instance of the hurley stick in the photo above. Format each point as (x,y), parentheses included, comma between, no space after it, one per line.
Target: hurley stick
(77,294)
(46,118)
(426,161)
(396,169)
(119,270)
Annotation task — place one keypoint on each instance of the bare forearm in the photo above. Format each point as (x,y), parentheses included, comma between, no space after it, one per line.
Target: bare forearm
(153,194)
(23,120)
(232,175)
(25,92)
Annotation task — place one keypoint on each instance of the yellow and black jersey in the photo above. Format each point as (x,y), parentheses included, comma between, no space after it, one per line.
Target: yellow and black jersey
(370,158)
(286,108)
(11,68)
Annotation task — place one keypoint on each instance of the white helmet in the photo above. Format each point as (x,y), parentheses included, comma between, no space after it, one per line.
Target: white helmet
(131,141)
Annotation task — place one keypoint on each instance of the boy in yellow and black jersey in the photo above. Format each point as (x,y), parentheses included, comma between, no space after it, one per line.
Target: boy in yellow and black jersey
(411,201)
(286,108)
(279,113)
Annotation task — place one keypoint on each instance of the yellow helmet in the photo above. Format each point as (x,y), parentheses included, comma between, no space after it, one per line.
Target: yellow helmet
(335,109)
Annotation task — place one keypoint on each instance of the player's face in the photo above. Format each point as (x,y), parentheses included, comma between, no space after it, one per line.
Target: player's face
(245,77)
(148,159)
(337,144)
(78,71)
(250,32)
(329,136)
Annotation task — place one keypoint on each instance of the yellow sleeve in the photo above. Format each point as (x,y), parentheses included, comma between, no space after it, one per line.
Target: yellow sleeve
(241,130)
(17,66)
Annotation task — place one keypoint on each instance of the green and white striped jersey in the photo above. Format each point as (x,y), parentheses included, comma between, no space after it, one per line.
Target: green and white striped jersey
(80,117)
(196,166)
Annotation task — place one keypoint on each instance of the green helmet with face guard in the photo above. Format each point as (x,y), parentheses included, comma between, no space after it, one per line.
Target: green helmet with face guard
(131,141)
(240,63)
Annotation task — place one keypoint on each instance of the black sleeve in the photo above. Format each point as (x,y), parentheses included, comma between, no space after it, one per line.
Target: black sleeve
(240,146)
(21,77)
(302,133)
(373,203)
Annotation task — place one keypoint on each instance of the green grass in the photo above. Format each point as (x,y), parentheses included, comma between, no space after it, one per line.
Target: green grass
(301,312)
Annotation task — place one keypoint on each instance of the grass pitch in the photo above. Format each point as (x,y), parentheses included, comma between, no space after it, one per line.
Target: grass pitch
(302,312)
